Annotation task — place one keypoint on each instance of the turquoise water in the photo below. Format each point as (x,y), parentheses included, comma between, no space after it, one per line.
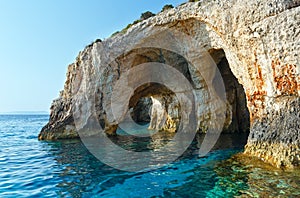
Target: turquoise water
(31,168)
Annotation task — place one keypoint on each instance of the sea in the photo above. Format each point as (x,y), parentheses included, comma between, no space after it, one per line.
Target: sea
(66,168)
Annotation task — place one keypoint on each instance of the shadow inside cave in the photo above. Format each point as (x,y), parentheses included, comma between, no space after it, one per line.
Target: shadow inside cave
(237,120)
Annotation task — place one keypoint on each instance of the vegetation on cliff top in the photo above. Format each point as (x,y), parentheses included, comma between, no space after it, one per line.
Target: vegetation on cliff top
(167,7)
(144,16)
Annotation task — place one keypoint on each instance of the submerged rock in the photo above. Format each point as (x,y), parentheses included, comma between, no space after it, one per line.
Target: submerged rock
(256,46)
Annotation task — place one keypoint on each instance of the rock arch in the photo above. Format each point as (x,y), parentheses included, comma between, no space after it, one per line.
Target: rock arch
(261,49)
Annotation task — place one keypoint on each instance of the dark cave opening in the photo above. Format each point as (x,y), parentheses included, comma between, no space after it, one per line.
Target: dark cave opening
(238,120)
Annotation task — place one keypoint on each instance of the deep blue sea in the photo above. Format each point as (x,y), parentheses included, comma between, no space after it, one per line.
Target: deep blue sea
(32,168)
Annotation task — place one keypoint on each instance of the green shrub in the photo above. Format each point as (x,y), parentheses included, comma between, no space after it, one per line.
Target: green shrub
(136,21)
(193,0)
(146,15)
(167,7)
(98,41)
(126,28)
(115,33)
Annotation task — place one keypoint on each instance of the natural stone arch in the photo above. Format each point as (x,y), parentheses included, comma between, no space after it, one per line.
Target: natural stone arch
(261,49)
(238,115)
(143,55)
(170,114)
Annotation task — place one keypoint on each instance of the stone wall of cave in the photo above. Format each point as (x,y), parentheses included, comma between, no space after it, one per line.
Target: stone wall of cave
(237,115)
(167,116)
(140,113)
(157,106)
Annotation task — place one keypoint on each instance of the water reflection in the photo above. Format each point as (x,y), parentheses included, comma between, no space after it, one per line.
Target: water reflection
(80,172)
(220,174)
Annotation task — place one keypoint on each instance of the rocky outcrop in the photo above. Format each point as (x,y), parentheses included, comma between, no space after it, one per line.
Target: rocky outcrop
(275,138)
(165,113)
(255,44)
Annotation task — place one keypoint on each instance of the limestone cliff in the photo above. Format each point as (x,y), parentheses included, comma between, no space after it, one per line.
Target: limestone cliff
(256,46)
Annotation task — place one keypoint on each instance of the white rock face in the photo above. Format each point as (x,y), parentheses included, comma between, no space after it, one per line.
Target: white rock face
(158,114)
(260,40)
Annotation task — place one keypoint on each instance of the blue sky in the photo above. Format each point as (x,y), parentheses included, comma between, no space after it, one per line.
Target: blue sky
(38,39)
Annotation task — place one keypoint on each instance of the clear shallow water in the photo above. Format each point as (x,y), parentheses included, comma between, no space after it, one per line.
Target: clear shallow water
(29,168)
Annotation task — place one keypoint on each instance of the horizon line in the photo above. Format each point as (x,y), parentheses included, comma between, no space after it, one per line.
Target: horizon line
(25,112)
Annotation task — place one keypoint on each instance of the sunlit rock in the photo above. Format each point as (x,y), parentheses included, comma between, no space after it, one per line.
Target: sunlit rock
(256,46)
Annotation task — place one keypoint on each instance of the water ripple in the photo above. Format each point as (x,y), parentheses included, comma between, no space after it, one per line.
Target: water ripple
(30,168)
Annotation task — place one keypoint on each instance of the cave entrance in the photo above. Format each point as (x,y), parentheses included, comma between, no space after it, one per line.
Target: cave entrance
(153,104)
(140,105)
(157,105)
(152,107)
(237,114)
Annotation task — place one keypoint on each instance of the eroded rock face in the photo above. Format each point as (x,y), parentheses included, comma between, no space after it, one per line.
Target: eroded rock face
(165,113)
(261,44)
(276,137)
